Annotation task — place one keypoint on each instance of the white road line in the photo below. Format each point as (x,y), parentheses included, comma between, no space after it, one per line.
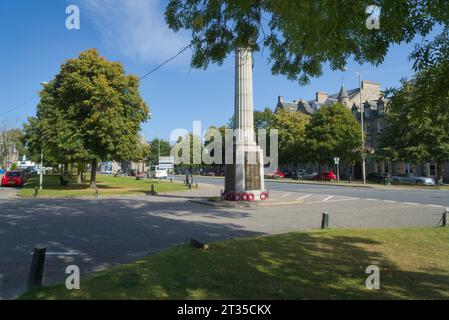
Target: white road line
(389,201)
(435,206)
(304,197)
(285,195)
(372,200)
(346,199)
(411,203)
(328,198)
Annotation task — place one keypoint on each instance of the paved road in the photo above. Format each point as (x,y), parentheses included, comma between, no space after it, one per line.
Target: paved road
(420,196)
(105,232)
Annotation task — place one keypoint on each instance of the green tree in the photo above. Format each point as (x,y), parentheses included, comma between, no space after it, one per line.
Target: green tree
(262,119)
(291,127)
(418,119)
(158,147)
(91,111)
(301,36)
(333,132)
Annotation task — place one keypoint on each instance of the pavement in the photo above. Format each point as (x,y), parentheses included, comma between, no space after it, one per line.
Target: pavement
(96,234)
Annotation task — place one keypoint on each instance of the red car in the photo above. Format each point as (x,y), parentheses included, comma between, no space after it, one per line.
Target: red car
(276,174)
(13,179)
(326,176)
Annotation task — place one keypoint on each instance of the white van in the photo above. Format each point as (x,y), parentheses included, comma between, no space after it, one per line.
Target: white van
(160,173)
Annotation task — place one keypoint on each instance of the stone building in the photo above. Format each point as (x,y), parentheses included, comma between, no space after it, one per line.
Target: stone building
(374,106)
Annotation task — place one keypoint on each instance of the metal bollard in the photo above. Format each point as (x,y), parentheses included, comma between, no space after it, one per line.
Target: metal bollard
(36,191)
(37,268)
(97,193)
(325,221)
(444,224)
(152,189)
(190,186)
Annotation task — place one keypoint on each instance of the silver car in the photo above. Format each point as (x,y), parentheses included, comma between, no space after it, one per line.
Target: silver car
(408,178)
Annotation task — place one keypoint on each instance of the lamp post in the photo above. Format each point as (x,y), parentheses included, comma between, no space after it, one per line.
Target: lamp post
(362,114)
(41,173)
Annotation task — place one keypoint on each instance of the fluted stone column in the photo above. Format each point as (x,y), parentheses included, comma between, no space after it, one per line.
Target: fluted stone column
(246,174)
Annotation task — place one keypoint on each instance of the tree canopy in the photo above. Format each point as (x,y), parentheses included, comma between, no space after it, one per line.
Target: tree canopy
(418,119)
(303,35)
(291,128)
(91,111)
(333,132)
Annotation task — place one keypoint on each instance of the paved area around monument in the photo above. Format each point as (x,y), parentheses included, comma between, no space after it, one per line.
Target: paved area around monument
(95,234)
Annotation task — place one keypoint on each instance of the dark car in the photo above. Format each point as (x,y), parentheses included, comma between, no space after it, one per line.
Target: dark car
(14,178)
(376,177)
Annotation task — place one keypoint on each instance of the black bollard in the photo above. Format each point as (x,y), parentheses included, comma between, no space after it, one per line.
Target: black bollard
(36,191)
(37,268)
(152,189)
(444,224)
(325,221)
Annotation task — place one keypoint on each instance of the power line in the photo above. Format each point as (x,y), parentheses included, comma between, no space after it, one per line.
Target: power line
(166,61)
(21,105)
(142,77)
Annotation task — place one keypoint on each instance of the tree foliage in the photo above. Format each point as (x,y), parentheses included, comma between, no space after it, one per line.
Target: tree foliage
(90,112)
(418,119)
(333,132)
(303,35)
(291,128)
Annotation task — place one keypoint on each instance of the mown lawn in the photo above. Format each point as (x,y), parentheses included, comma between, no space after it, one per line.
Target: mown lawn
(107,185)
(327,264)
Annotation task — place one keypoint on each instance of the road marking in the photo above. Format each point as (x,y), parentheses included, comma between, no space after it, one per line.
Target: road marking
(346,199)
(389,201)
(371,199)
(412,203)
(328,198)
(285,195)
(304,197)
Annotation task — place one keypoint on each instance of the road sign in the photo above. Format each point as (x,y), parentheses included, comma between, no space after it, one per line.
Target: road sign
(337,161)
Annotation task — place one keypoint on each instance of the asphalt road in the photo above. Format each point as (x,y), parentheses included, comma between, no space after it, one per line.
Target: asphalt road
(95,234)
(405,195)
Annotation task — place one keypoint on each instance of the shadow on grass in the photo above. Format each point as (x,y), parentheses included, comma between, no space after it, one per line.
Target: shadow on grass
(292,266)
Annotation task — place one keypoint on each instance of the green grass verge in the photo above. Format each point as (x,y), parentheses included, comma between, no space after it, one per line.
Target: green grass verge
(327,264)
(107,185)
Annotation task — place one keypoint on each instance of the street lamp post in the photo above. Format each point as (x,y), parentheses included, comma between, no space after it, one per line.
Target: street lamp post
(41,174)
(362,112)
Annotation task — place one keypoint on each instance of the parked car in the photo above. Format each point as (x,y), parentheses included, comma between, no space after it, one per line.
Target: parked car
(408,178)
(275,175)
(305,175)
(14,178)
(326,176)
(376,177)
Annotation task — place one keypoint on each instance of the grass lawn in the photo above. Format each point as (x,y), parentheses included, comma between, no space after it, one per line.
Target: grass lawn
(327,264)
(107,185)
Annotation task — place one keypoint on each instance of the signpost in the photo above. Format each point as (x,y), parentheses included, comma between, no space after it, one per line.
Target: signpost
(337,163)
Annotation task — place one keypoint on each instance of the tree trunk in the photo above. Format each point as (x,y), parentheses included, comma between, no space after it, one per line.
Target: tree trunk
(440,172)
(79,173)
(93,174)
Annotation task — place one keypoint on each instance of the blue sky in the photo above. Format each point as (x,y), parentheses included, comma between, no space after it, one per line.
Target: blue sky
(35,42)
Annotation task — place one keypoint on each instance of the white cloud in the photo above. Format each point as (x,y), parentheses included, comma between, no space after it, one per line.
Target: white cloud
(137,28)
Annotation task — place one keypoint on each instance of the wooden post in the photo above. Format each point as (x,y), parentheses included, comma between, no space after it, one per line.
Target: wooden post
(37,268)
(325,221)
